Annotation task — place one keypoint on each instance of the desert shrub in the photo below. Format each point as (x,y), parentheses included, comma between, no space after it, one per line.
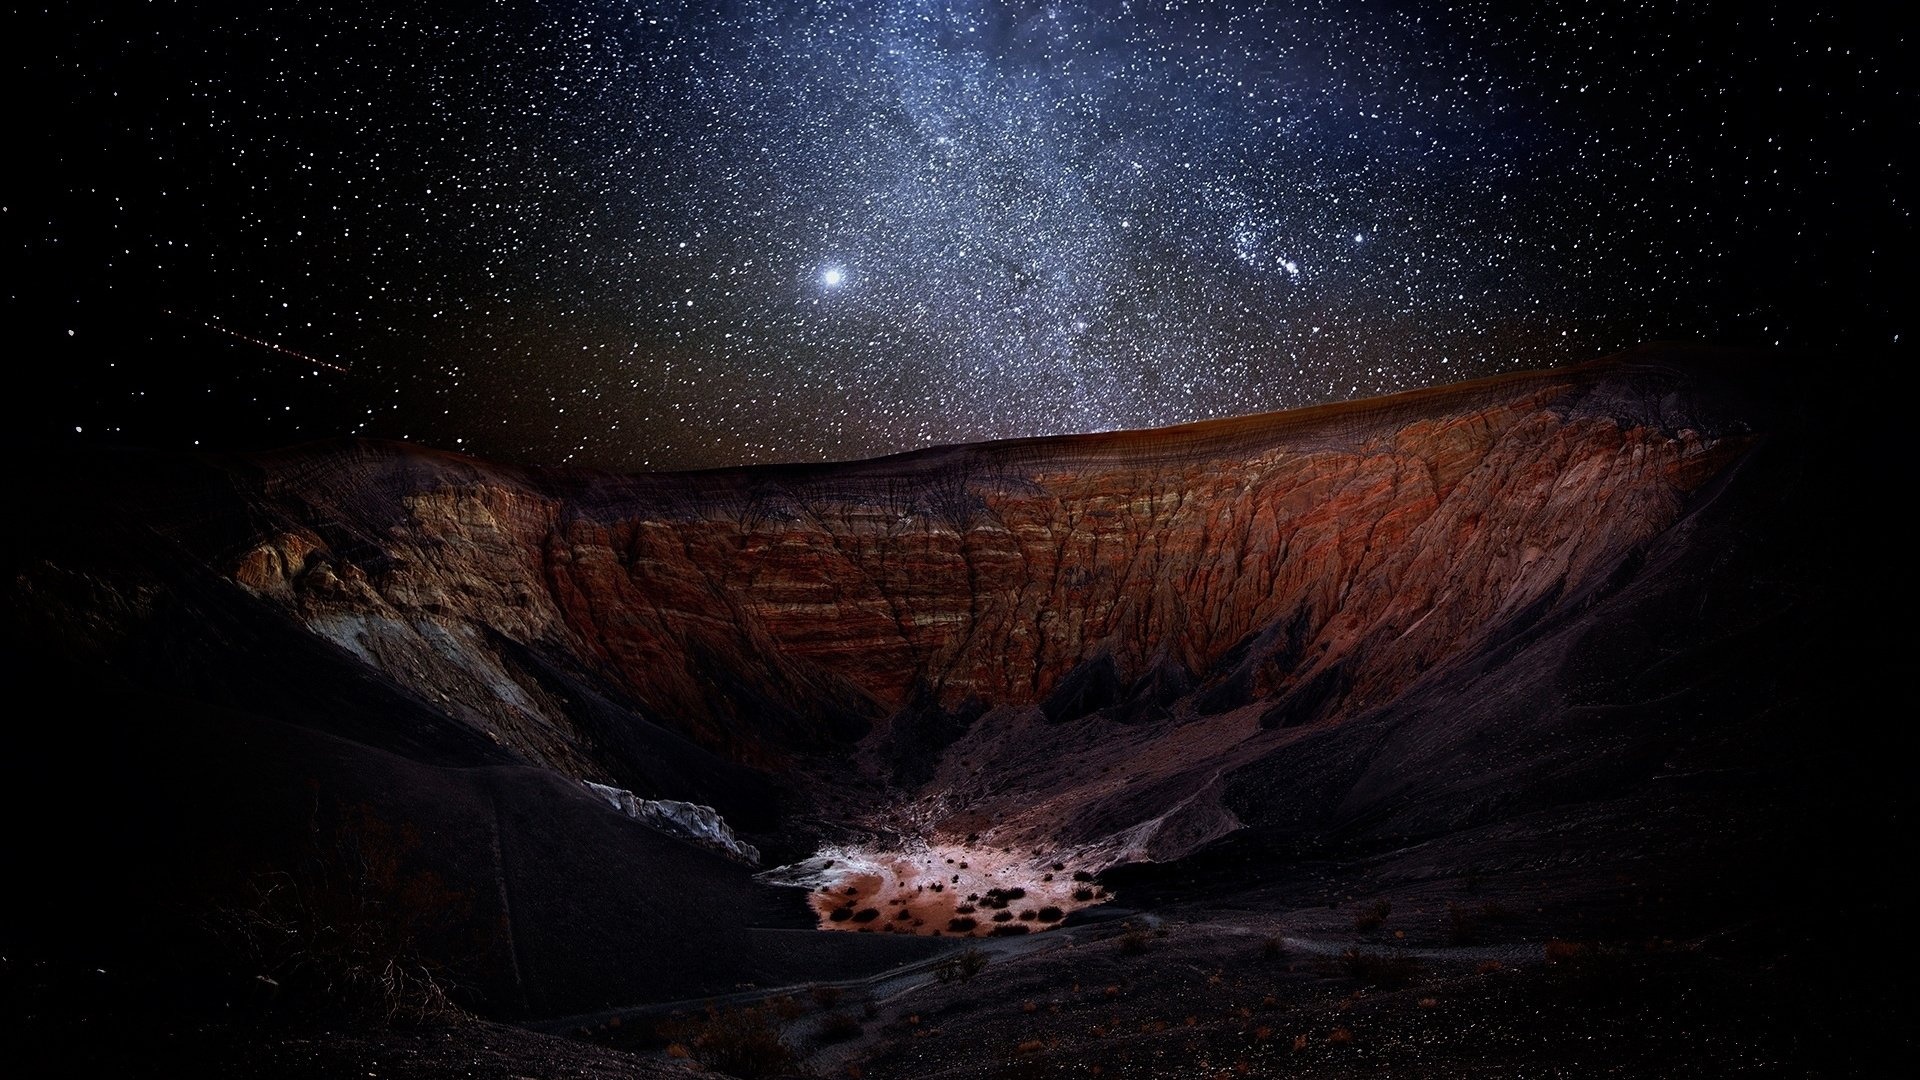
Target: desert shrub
(1014,893)
(1378,969)
(1083,894)
(1011,929)
(972,962)
(965,966)
(1082,875)
(1558,952)
(962,924)
(1003,916)
(866,914)
(1029,915)
(1463,923)
(839,1027)
(1596,974)
(740,1042)
(342,930)
(1050,913)
(1371,916)
(840,914)
(965,909)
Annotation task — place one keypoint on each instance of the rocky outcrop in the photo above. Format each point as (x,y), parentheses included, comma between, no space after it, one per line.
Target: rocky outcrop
(700,825)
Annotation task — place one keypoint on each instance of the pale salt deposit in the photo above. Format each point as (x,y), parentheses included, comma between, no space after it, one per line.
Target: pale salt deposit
(950,889)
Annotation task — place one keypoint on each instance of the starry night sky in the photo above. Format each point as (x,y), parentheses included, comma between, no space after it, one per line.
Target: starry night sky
(657,235)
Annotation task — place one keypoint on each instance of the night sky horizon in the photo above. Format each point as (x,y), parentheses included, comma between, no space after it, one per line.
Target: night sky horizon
(675,235)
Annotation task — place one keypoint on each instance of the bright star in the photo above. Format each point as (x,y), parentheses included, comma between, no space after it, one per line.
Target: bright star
(833,277)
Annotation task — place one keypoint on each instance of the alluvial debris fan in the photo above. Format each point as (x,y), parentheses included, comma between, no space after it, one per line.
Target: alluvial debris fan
(1491,725)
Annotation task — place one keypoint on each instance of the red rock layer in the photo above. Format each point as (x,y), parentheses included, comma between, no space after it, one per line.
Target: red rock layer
(750,608)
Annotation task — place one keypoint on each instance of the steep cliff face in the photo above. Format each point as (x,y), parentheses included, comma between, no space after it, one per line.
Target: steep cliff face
(1316,562)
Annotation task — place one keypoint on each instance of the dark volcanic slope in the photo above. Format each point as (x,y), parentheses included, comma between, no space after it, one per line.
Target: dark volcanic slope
(1490,612)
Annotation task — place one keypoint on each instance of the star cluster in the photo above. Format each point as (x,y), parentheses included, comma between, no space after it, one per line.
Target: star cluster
(664,234)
